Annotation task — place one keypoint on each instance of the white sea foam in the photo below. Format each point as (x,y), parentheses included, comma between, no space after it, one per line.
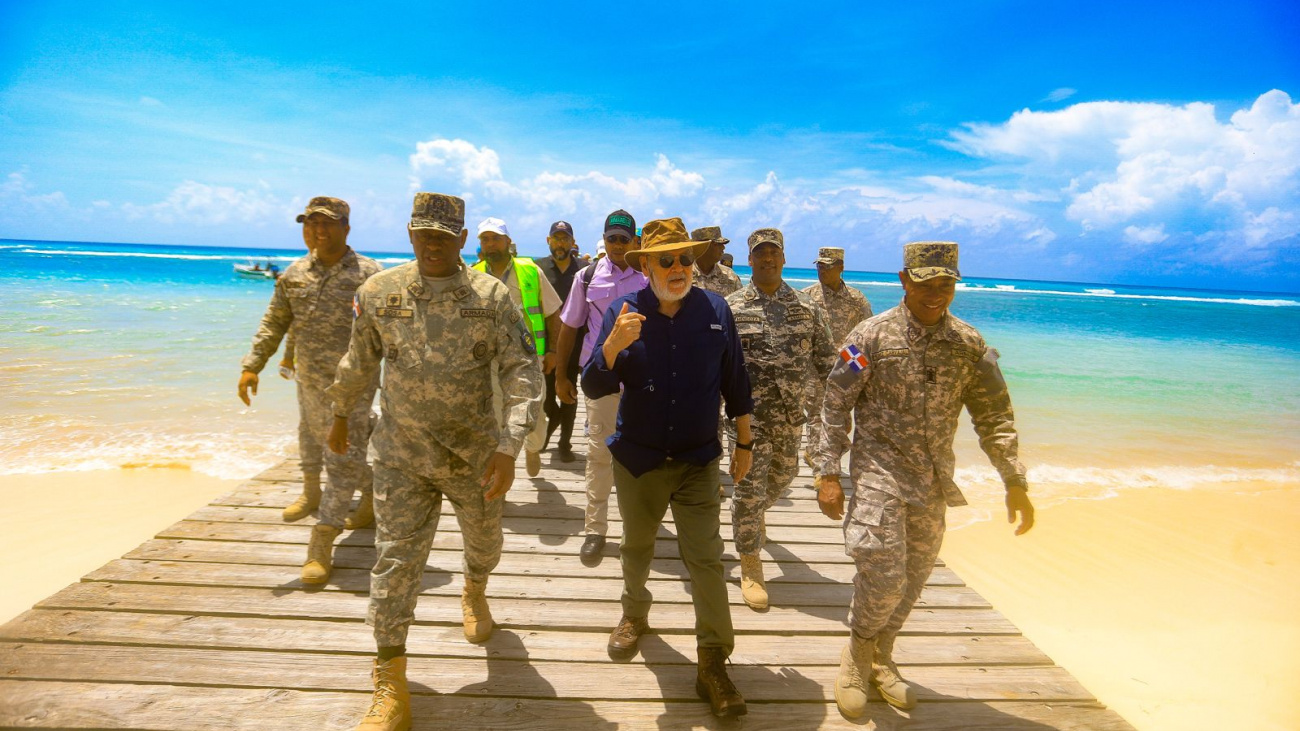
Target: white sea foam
(149,255)
(1111,294)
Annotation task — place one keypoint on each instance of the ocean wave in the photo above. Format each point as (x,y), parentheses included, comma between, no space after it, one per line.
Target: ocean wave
(1111,294)
(146,255)
(218,455)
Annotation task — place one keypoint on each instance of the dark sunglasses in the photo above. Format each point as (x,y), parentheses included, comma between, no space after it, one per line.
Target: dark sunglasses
(666,260)
(617,239)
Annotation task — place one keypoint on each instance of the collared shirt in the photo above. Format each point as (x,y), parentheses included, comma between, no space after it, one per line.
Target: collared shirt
(586,305)
(722,280)
(673,378)
(562,281)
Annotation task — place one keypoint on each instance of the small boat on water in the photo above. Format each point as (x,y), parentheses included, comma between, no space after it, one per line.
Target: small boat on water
(257,271)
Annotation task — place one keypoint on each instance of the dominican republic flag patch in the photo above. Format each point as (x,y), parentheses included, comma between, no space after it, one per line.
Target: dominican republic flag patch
(851,365)
(853,357)
(356,307)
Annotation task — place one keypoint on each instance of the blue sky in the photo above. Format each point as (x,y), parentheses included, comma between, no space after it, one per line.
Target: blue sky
(1153,143)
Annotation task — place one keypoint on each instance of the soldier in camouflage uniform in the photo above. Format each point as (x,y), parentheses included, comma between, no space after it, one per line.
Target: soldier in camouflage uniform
(313,303)
(786,342)
(439,328)
(904,376)
(845,307)
(709,274)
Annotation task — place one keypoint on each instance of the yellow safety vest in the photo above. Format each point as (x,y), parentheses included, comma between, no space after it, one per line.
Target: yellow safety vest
(530,290)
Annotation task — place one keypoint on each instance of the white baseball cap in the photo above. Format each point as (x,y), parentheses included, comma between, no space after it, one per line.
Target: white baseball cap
(493,225)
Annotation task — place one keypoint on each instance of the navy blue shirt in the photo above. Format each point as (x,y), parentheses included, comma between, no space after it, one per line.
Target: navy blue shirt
(673,378)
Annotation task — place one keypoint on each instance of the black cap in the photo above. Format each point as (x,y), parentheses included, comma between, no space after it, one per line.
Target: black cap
(561,226)
(622,222)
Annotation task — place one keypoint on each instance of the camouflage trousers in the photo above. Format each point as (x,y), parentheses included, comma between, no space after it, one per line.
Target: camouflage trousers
(774,467)
(348,472)
(894,545)
(407,509)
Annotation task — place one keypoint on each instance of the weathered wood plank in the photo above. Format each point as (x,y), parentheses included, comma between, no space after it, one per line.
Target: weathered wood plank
(38,704)
(504,678)
(787,594)
(523,614)
(519,564)
(261,633)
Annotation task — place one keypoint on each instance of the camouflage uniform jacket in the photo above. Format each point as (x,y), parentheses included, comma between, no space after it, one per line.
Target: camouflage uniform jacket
(906,396)
(313,304)
(845,308)
(721,281)
(439,344)
(786,342)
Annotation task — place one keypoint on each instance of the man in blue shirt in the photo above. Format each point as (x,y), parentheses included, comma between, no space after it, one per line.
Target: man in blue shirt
(674,350)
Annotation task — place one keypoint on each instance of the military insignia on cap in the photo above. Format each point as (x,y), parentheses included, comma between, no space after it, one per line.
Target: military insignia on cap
(929,259)
(766,236)
(438,211)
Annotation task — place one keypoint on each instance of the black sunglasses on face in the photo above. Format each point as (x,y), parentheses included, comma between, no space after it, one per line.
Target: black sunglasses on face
(618,239)
(666,260)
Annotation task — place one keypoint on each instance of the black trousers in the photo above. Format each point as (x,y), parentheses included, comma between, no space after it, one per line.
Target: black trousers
(559,414)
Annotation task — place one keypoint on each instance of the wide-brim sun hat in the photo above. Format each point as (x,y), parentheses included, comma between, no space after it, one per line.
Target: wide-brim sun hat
(667,235)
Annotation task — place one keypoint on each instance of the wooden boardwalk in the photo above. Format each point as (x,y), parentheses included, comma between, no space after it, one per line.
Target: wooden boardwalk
(206,626)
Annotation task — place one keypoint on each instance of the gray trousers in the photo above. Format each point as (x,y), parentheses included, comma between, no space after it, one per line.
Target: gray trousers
(775,465)
(348,472)
(407,509)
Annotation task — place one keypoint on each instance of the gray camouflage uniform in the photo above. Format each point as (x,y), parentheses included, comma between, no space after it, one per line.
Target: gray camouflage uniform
(786,342)
(313,304)
(721,280)
(438,340)
(845,309)
(906,401)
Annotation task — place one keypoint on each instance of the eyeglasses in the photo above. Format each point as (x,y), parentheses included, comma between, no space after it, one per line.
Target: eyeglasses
(618,239)
(666,260)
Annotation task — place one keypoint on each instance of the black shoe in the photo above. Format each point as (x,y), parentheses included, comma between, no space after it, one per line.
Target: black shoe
(713,685)
(565,454)
(592,550)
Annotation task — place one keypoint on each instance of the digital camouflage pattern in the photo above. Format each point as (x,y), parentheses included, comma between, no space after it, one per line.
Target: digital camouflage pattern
(906,403)
(844,309)
(721,281)
(786,342)
(709,233)
(313,305)
(335,208)
(929,259)
(766,236)
(895,547)
(407,509)
(435,210)
(438,343)
(830,255)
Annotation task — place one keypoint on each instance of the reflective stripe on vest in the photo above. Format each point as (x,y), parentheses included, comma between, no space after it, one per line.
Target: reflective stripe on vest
(527,275)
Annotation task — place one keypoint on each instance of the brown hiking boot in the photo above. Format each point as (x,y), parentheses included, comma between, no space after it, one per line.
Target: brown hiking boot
(623,640)
(896,691)
(752,588)
(320,554)
(851,684)
(363,516)
(390,708)
(713,685)
(477,616)
(308,501)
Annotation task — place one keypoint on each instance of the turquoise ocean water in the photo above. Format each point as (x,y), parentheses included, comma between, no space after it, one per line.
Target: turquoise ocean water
(117,355)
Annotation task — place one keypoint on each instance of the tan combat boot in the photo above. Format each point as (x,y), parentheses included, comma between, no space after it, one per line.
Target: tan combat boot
(308,501)
(896,691)
(532,463)
(713,685)
(320,554)
(752,588)
(363,516)
(474,606)
(851,684)
(390,709)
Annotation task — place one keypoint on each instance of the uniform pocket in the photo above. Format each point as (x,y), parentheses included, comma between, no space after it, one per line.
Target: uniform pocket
(868,526)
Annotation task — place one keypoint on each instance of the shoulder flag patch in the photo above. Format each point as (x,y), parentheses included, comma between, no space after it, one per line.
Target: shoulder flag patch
(356,307)
(853,357)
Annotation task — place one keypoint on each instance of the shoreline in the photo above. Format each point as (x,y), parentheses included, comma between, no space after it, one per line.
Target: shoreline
(1176,608)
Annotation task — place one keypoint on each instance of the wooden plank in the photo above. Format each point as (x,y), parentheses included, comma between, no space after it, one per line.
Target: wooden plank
(447,537)
(787,594)
(504,678)
(525,614)
(37,704)
(519,564)
(260,633)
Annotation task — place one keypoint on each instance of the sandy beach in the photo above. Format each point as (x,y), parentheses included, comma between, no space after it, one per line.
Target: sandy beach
(71,523)
(1177,608)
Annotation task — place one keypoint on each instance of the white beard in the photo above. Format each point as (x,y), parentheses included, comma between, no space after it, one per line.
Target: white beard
(663,293)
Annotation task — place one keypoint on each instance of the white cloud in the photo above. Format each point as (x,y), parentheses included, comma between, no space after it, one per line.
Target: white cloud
(18,193)
(1147,235)
(148,101)
(212,205)
(1060,94)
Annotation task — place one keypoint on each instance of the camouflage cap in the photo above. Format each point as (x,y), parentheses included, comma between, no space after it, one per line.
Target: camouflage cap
(766,236)
(335,208)
(830,255)
(929,259)
(435,210)
(709,233)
